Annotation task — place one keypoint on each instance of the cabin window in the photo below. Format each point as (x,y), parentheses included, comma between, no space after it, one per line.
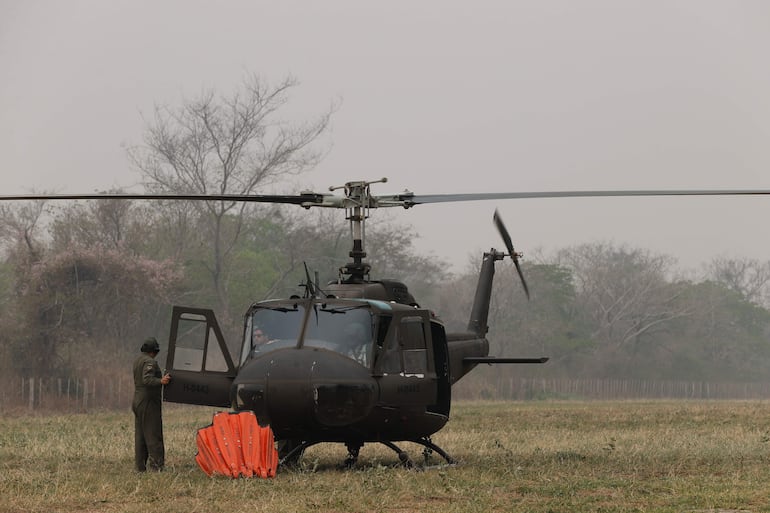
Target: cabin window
(215,358)
(391,360)
(190,348)
(406,353)
(411,338)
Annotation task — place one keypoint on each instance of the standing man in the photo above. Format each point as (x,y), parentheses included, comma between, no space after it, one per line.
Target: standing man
(148,426)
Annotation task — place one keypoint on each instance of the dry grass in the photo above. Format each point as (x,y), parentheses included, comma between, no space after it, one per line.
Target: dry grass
(547,456)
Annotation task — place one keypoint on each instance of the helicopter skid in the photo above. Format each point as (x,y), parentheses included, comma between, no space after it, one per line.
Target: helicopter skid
(429,447)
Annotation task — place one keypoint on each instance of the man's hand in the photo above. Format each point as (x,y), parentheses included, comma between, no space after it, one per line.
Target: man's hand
(165,379)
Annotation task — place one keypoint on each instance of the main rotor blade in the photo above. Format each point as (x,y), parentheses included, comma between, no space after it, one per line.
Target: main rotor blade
(405,200)
(301,199)
(411,199)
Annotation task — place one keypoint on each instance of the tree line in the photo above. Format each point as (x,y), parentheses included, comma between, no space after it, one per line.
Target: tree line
(606,310)
(82,283)
(80,294)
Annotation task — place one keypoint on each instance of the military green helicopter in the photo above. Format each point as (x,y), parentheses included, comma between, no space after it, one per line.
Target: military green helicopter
(354,361)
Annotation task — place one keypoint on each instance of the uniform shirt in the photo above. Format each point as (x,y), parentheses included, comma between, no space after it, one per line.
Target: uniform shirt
(147,385)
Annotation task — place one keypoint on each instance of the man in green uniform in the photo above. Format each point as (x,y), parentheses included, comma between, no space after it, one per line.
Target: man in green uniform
(148,426)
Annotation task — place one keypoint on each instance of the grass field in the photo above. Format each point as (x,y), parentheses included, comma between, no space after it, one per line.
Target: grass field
(522,456)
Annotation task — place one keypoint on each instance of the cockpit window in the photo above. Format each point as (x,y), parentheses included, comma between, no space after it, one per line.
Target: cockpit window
(345,329)
(348,331)
(268,329)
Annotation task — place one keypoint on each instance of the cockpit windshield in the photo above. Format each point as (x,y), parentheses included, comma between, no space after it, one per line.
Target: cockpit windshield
(268,329)
(345,329)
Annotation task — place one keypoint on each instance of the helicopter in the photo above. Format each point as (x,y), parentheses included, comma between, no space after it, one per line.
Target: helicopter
(353,361)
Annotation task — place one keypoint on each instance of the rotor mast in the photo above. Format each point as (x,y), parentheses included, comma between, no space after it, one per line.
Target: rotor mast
(358,201)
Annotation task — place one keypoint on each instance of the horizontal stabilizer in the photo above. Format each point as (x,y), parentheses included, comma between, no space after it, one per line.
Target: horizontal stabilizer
(492,359)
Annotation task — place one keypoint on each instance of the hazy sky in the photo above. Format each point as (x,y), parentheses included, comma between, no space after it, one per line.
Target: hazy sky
(439,96)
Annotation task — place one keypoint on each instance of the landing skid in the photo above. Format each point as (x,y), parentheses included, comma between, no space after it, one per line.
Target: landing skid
(428,448)
(293,456)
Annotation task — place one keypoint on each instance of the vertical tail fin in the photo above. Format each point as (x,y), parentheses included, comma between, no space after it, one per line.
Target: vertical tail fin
(477,324)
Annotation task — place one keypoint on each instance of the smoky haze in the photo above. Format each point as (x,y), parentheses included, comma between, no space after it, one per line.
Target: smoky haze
(440,97)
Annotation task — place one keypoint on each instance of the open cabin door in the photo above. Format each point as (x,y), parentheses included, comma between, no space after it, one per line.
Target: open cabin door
(202,370)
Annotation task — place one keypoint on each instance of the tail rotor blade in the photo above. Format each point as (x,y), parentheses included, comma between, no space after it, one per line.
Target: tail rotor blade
(509,246)
(503,233)
(521,276)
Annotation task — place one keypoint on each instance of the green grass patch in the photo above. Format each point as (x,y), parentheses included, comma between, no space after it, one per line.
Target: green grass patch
(514,456)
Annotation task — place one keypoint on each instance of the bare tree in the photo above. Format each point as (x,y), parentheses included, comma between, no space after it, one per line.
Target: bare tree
(745,276)
(625,292)
(226,145)
(19,226)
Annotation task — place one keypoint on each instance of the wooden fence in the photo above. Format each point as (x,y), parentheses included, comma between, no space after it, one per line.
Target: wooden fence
(67,394)
(610,389)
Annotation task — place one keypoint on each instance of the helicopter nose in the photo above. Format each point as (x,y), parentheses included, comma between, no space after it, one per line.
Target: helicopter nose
(306,389)
(340,404)
(343,391)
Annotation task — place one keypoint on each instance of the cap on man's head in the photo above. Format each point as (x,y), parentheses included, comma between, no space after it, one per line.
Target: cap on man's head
(150,346)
